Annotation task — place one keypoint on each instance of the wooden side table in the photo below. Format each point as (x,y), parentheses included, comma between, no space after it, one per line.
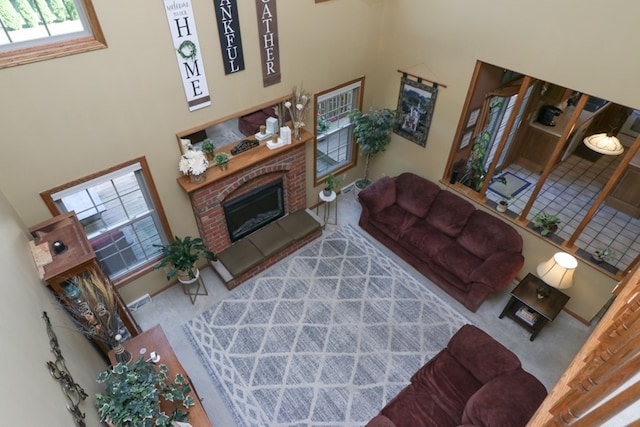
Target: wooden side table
(154,340)
(532,312)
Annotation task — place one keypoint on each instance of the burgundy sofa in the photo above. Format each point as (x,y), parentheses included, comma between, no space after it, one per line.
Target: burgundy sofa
(467,252)
(475,381)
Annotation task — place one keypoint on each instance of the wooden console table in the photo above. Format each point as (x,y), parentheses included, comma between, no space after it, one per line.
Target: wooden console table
(155,340)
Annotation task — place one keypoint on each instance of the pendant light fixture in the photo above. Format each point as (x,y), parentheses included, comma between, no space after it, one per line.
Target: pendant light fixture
(604,143)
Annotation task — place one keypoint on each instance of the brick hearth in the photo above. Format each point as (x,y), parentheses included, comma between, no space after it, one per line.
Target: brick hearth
(247,171)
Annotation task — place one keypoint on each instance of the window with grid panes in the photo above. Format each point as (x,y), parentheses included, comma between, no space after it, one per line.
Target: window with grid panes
(120,215)
(35,30)
(335,145)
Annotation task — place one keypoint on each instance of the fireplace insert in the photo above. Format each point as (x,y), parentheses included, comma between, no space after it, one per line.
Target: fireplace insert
(254,210)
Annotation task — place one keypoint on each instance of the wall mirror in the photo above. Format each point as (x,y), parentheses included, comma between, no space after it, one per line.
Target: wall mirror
(229,130)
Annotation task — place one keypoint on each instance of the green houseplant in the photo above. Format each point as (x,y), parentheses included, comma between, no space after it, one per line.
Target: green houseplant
(135,391)
(207,148)
(180,256)
(546,223)
(373,135)
(331,183)
(603,254)
(221,159)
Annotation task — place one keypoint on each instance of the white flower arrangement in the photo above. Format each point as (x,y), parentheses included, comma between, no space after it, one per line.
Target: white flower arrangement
(297,107)
(193,162)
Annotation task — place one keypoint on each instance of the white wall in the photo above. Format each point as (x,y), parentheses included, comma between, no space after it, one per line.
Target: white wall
(29,395)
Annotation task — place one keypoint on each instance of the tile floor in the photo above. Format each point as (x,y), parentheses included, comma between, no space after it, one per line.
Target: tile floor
(568,193)
(547,357)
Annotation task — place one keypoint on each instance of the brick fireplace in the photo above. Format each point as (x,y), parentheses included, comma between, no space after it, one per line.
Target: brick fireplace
(246,172)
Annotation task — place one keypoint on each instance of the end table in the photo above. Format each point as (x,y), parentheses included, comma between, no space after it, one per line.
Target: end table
(532,312)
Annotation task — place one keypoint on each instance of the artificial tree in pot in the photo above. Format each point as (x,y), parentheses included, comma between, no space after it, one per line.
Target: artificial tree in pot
(181,255)
(373,135)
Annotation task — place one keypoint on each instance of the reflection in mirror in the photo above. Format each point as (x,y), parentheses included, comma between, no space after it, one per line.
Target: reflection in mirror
(544,133)
(230,130)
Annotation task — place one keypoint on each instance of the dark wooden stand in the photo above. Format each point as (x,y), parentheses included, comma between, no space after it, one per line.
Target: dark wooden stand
(77,259)
(525,297)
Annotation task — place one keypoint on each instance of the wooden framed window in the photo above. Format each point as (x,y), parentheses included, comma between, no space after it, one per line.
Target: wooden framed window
(39,30)
(122,216)
(335,144)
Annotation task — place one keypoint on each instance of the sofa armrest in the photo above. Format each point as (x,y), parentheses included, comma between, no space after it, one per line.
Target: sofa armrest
(380,421)
(379,194)
(497,271)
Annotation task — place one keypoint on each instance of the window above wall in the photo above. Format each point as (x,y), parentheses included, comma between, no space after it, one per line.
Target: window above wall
(45,29)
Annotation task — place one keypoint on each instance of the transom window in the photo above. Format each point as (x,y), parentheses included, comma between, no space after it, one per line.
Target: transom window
(35,30)
(120,214)
(335,145)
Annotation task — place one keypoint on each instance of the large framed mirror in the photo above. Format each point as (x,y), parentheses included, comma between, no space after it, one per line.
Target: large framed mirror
(228,131)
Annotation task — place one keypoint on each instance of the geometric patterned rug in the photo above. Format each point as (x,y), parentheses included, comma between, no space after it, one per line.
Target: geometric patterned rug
(325,337)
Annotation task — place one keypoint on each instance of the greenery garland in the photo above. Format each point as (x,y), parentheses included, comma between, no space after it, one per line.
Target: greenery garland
(187,50)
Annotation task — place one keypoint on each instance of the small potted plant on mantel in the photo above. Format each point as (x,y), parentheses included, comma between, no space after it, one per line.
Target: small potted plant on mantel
(331,183)
(207,148)
(134,394)
(221,159)
(180,257)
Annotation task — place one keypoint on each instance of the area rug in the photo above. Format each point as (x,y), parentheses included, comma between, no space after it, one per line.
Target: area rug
(514,185)
(325,337)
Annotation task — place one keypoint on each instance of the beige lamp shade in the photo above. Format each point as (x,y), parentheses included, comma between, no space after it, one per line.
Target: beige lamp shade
(604,143)
(558,271)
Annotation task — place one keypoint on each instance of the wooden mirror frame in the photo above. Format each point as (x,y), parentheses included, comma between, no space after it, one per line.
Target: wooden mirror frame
(186,134)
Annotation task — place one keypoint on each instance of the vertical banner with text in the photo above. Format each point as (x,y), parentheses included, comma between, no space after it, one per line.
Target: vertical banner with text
(269,47)
(229,33)
(185,42)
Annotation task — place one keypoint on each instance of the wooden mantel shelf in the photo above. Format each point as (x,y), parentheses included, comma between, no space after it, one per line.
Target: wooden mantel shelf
(241,162)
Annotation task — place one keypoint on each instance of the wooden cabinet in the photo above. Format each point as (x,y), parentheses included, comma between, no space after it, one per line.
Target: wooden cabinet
(625,196)
(64,257)
(536,149)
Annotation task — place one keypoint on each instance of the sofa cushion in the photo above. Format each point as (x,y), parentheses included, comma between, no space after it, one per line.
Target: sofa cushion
(415,194)
(415,406)
(485,234)
(450,384)
(449,213)
(482,355)
(428,240)
(379,195)
(509,400)
(394,220)
(458,261)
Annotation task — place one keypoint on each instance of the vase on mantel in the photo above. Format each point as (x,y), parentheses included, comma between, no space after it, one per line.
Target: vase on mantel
(196,178)
(296,131)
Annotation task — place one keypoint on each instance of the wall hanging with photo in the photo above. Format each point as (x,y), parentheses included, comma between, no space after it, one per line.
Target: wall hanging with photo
(416,102)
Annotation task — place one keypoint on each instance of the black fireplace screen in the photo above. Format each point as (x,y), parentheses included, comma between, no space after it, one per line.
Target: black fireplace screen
(254,210)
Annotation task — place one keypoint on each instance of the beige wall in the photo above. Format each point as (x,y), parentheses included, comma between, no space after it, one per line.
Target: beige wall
(65,118)
(27,385)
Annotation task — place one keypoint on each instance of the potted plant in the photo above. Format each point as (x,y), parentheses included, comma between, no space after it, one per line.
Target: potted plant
(221,159)
(180,256)
(373,134)
(207,148)
(194,164)
(331,183)
(546,223)
(603,255)
(503,205)
(135,392)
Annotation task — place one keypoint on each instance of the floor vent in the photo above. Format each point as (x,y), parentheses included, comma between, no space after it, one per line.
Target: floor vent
(347,189)
(134,305)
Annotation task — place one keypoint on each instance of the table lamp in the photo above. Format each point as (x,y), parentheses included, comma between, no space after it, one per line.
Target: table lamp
(556,272)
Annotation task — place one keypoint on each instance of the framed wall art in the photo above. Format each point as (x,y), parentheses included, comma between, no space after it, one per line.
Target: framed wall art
(466,139)
(416,102)
(473,118)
